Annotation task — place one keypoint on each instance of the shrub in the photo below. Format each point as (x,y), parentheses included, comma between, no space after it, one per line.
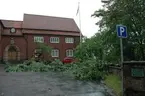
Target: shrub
(88,70)
(15,68)
(33,66)
(57,65)
(38,67)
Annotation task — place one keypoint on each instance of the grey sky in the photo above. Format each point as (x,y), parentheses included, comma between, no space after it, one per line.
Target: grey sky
(14,10)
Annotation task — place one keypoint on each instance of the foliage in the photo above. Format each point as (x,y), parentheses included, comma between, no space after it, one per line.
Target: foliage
(114,82)
(105,44)
(33,66)
(96,48)
(45,48)
(41,50)
(86,70)
(88,49)
(127,12)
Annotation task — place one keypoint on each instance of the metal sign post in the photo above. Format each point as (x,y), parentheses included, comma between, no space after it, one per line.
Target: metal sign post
(122,33)
(121,51)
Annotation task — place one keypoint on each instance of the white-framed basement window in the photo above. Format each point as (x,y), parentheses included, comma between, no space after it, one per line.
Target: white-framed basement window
(69,40)
(54,39)
(55,53)
(39,39)
(69,53)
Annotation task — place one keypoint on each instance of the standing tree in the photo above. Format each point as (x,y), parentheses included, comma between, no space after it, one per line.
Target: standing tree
(41,49)
(127,12)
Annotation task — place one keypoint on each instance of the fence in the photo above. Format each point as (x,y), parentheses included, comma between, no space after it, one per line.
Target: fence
(115,70)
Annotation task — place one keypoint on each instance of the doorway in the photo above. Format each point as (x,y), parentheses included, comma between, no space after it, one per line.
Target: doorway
(12,53)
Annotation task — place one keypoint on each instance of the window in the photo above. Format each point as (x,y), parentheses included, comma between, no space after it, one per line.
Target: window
(54,39)
(69,40)
(69,53)
(38,50)
(37,53)
(39,39)
(55,53)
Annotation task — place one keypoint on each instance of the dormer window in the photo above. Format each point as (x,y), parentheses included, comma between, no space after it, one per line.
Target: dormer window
(13,30)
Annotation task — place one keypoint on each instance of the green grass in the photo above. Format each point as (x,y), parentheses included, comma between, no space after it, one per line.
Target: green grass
(114,82)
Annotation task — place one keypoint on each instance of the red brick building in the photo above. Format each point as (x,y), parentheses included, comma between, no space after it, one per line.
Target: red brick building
(17,38)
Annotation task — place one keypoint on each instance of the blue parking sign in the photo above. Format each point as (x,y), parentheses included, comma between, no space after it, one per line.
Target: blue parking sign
(122,31)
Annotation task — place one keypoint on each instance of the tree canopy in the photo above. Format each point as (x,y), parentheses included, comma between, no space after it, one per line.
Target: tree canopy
(104,45)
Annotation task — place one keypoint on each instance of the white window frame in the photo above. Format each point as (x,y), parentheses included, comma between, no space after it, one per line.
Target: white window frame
(55,53)
(39,39)
(38,50)
(54,39)
(69,40)
(70,53)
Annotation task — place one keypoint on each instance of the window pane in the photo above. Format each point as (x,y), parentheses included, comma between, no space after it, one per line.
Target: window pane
(38,50)
(69,40)
(38,39)
(55,53)
(69,53)
(54,39)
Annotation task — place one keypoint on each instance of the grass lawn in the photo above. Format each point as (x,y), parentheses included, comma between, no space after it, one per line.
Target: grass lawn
(114,82)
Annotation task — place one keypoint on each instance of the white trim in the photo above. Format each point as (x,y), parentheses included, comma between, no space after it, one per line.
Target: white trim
(39,39)
(69,40)
(69,53)
(37,50)
(53,54)
(54,40)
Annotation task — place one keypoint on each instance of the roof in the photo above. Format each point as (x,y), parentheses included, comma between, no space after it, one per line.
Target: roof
(49,23)
(63,26)
(12,23)
(1,23)
(53,33)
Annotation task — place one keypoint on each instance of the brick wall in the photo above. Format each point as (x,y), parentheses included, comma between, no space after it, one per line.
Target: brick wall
(62,46)
(0,40)
(20,43)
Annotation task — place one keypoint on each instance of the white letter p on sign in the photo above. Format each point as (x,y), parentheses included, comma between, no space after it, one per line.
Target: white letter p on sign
(121,30)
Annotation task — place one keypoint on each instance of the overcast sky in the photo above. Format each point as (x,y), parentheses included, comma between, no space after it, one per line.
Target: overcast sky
(14,10)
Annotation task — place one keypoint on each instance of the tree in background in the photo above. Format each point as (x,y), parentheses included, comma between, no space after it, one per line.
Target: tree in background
(105,44)
(41,49)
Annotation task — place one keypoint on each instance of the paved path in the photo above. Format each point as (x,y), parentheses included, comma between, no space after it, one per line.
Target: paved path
(2,68)
(46,84)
